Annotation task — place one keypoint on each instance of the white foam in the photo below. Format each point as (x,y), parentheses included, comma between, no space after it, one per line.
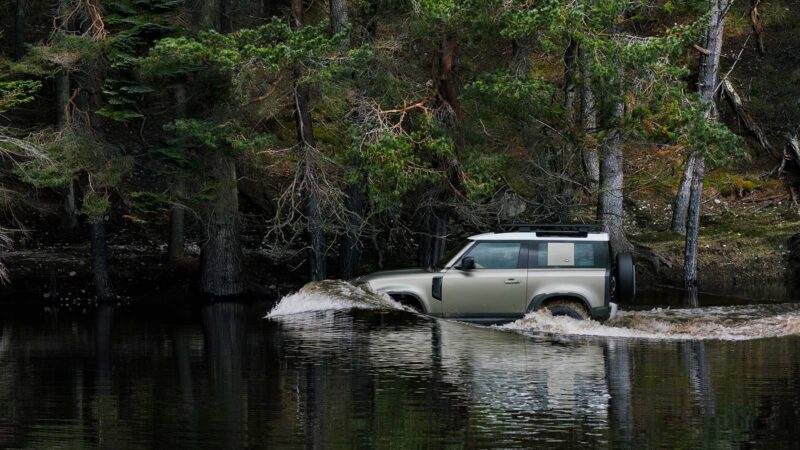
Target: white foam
(720,323)
(330,295)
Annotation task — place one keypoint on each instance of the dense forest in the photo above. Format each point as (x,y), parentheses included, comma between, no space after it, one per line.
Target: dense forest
(335,137)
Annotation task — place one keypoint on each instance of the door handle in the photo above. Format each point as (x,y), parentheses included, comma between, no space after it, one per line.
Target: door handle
(511,281)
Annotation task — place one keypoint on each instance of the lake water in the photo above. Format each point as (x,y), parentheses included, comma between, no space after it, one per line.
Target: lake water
(376,376)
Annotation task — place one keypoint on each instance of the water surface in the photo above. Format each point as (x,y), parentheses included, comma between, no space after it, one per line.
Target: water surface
(382,377)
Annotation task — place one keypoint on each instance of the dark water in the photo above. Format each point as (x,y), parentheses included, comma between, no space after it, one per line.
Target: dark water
(224,377)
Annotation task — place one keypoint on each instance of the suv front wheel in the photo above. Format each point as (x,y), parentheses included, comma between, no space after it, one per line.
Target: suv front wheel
(569,308)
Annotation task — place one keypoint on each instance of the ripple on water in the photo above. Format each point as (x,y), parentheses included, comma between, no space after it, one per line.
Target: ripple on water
(730,323)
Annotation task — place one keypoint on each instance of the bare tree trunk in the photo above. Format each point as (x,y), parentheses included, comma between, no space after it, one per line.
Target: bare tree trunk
(521,59)
(351,243)
(591,160)
(339,17)
(693,224)
(177,215)
(221,258)
(433,242)
(308,161)
(570,66)
(610,210)
(102,280)
(680,204)
(19,30)
(709,72)
(177,224)
(62,98)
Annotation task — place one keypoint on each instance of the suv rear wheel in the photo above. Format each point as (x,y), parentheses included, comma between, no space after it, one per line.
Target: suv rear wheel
(569,308)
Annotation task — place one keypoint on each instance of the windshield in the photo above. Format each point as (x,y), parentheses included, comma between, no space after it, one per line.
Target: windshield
(450,254)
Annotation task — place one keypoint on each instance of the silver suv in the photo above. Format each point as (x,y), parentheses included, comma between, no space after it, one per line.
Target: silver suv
(501,276)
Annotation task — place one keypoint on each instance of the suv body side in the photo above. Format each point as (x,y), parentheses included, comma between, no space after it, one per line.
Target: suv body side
(508,287)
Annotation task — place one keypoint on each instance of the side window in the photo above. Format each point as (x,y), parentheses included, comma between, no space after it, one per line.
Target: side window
(496,255)
(568,254)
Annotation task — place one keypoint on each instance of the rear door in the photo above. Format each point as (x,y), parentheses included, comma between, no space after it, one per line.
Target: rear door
(495,288)
(577,267)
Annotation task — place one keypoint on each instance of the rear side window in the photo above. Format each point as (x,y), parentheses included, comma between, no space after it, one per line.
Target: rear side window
(568,254)
(496,255)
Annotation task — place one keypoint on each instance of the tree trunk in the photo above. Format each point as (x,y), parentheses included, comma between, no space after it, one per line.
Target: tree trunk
(680,204)
(351,242)
(693,223)
(177,215)
(19,30)
(610,210)
(307,159)
(177,224)
(62,98)
(591,160)
(221,258)
(102,280)
(521,59)
(709,71)
(433,243)
(70,219)
(570,66)
(339,17)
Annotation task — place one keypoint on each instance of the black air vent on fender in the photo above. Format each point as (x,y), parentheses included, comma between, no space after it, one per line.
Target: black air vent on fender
(436,288)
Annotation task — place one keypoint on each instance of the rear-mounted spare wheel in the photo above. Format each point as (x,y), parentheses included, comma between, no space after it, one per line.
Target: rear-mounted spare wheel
(625,278)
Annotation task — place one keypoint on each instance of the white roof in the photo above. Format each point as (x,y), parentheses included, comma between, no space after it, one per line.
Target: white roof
(531,236)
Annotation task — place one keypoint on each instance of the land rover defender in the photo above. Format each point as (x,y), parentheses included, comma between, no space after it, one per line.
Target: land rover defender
(501,276)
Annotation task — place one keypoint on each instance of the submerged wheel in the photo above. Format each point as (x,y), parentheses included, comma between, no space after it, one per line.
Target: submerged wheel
(409,301)
(625,278)
(569,308)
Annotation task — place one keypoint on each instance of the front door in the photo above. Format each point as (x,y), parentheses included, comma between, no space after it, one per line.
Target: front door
(495,288)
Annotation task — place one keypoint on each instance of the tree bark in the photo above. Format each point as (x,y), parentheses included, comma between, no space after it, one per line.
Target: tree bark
(308,161)
(570,66)
(19,30)
(62,98)
(339,16)
(221,258)
(693,224)
(177,215)
(521,55)
(177,224)
(433,243)
(610,210)
(680,204)
(591,160)
(351,242)
(709,71)
(102,280)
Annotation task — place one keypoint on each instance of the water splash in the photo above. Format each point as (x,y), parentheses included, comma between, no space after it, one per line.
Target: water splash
(331,295)
(729,323)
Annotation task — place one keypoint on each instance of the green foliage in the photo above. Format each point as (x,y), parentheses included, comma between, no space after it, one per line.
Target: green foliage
(150,204)
(64,51)
(714,140)
(136,25)
(13,93)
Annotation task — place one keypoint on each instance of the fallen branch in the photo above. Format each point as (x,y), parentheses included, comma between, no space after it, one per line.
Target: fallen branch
(743,115)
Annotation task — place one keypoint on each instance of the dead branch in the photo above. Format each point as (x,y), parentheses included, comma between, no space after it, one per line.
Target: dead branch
(738,106)
(89,13)
(758,27)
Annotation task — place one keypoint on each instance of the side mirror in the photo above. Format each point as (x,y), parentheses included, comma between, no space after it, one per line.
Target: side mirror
(467,263)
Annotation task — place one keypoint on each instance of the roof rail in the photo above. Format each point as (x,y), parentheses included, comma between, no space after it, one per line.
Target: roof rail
(552,229)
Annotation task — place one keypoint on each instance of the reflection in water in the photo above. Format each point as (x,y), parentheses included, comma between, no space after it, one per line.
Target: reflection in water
(377,379)
(225,337)
(620,380)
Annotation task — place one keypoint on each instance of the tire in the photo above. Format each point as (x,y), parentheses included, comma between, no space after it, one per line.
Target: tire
(569,308)
(625,278)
